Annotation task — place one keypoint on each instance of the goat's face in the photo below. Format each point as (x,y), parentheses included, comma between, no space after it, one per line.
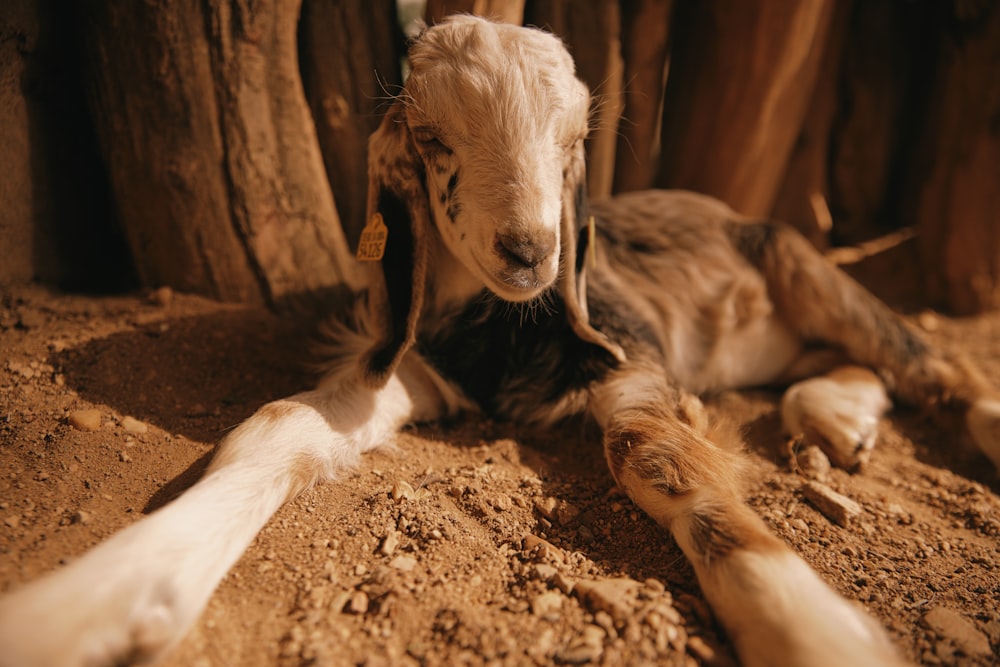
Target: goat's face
(477,171)
(498,117)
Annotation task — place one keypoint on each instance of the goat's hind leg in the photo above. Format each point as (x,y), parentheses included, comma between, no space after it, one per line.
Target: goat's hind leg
(774,607)
(838,411)
(822,304)
(132,597)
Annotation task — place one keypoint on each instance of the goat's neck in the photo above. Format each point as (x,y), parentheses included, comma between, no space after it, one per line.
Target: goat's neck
(450,284)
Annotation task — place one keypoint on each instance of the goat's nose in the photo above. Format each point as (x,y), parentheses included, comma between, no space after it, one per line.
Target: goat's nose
(528,251)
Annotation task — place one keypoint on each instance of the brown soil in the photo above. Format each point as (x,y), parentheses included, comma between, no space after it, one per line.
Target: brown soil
(363,571)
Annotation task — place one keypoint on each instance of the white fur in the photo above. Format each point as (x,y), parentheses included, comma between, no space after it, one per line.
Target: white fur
(136,594)
(839,412)
(760,596)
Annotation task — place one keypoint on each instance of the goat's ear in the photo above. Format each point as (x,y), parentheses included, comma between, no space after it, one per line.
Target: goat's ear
(397,198)
(575,244)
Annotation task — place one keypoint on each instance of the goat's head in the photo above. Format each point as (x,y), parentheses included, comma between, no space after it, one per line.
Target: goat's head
(484,149)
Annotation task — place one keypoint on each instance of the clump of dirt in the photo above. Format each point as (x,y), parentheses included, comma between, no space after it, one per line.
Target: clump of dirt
(467,543)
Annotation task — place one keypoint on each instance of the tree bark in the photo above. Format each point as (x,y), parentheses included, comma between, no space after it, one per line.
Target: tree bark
(210,149)
(350,52)
(645,37)
(956,198)
(741,75)
(505,11)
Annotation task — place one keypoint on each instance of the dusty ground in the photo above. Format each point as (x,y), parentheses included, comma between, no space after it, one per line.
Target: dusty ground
(350,574)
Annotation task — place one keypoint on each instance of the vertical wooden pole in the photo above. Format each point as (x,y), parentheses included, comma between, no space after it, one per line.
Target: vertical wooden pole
(803,200)
(350,60)
(645,35)
(506,11)
(741,76)
(956,187)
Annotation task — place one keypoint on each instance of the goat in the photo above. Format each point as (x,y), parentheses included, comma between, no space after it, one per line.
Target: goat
(497,293)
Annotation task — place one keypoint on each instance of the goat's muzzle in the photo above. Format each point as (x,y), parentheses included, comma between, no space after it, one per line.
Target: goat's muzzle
(527,259)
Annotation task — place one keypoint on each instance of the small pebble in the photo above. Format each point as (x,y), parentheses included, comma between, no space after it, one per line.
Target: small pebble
(162,296)
(133,425)
(956,629)
(358,603)
(547,605)
(390,543)
(837,507)
(563,583)
(403,563)
(85,420)
(588,647)
(614,596)
(813,463)
(546,550)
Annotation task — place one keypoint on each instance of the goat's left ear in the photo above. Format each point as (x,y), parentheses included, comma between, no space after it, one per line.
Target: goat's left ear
(576,241)
(397,199)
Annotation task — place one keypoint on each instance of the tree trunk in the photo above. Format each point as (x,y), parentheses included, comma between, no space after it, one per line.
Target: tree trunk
(592,32)
(210,149)
(956,200)
(645,35)
(505,11)
(741,75)
(350,52)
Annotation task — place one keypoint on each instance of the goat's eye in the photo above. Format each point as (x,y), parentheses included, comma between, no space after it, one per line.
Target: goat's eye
(429,142)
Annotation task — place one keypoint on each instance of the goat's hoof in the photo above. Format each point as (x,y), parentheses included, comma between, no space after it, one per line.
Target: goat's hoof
(983,421)
(839,413)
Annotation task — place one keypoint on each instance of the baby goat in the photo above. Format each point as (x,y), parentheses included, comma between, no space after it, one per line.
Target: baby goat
(477,172)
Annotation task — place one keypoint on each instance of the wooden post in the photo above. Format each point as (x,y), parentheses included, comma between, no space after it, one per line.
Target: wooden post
(350,52)
(645,34)
(956,189)
(505,11)
(741,75)
(210,148)
(803,199)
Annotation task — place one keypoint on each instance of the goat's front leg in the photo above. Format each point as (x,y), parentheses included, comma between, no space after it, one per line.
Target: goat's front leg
(774,607)
(129,599)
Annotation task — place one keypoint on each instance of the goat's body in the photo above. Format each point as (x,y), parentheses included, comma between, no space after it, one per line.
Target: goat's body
(671,286)
(485,299)
(672,261)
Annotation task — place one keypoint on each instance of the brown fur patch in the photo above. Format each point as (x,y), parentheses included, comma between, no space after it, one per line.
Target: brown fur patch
(713,536)
(716,531)
(668,454)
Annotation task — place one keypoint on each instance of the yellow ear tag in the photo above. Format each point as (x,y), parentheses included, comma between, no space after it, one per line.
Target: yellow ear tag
(592,241)
(373,238)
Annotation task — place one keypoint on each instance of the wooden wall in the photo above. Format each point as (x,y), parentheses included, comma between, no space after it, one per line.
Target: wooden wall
(232,135)
(854,120)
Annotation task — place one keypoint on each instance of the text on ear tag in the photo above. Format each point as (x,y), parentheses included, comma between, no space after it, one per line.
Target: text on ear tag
(373,238)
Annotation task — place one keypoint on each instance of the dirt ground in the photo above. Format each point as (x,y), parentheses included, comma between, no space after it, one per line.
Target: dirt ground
(468,544)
